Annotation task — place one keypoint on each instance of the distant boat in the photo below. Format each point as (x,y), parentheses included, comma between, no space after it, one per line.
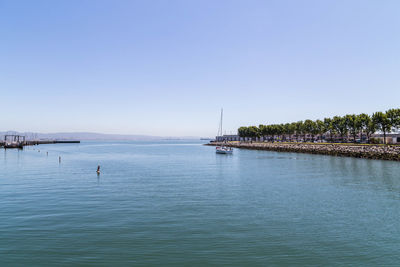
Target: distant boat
(223,149)
(13,145)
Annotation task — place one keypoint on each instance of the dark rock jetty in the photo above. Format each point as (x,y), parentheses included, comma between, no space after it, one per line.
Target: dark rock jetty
(382,152)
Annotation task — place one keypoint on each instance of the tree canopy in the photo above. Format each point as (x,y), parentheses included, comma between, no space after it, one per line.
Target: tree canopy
(336,127)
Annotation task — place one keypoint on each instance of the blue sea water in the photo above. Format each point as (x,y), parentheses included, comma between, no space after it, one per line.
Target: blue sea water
(174,203)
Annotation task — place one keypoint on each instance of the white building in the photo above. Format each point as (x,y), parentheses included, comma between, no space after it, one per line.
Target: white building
(391,138)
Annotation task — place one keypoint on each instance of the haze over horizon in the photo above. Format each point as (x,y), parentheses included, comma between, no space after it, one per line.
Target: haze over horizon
(166,68)
(92,136)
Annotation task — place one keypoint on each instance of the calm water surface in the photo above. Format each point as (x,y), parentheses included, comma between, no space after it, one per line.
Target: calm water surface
(178,203)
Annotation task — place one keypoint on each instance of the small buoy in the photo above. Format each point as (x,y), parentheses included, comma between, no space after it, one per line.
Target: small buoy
(98,169)
(47,153)
(59,159)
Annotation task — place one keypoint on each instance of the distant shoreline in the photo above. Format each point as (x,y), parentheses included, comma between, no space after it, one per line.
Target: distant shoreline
(380,152)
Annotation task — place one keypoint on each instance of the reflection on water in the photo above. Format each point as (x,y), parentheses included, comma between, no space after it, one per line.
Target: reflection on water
(374,174)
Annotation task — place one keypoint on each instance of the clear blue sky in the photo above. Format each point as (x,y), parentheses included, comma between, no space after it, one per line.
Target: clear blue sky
(167,67)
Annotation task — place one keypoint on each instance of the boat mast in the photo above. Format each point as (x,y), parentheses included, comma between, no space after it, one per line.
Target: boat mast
(222,115)
(219,133)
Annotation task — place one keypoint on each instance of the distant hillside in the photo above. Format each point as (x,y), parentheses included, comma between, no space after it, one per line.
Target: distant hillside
(93,136)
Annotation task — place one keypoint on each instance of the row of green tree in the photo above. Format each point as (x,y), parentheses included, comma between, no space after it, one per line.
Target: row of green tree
(336,127)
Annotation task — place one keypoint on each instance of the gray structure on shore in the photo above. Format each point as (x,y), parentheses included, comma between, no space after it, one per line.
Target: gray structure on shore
(228,137)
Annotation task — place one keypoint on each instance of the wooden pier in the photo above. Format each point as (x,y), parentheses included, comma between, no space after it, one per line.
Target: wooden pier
(14,141)
(19,141)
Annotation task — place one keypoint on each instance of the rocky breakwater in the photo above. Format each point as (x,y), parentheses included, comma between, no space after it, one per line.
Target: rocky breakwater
(346,150)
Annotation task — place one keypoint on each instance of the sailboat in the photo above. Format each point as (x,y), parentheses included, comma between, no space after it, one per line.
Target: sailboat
(223,149)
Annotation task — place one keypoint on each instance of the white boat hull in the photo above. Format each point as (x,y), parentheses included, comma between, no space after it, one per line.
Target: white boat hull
(224,151)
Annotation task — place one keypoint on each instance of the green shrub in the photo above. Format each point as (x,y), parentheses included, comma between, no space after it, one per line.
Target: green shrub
(376,140)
